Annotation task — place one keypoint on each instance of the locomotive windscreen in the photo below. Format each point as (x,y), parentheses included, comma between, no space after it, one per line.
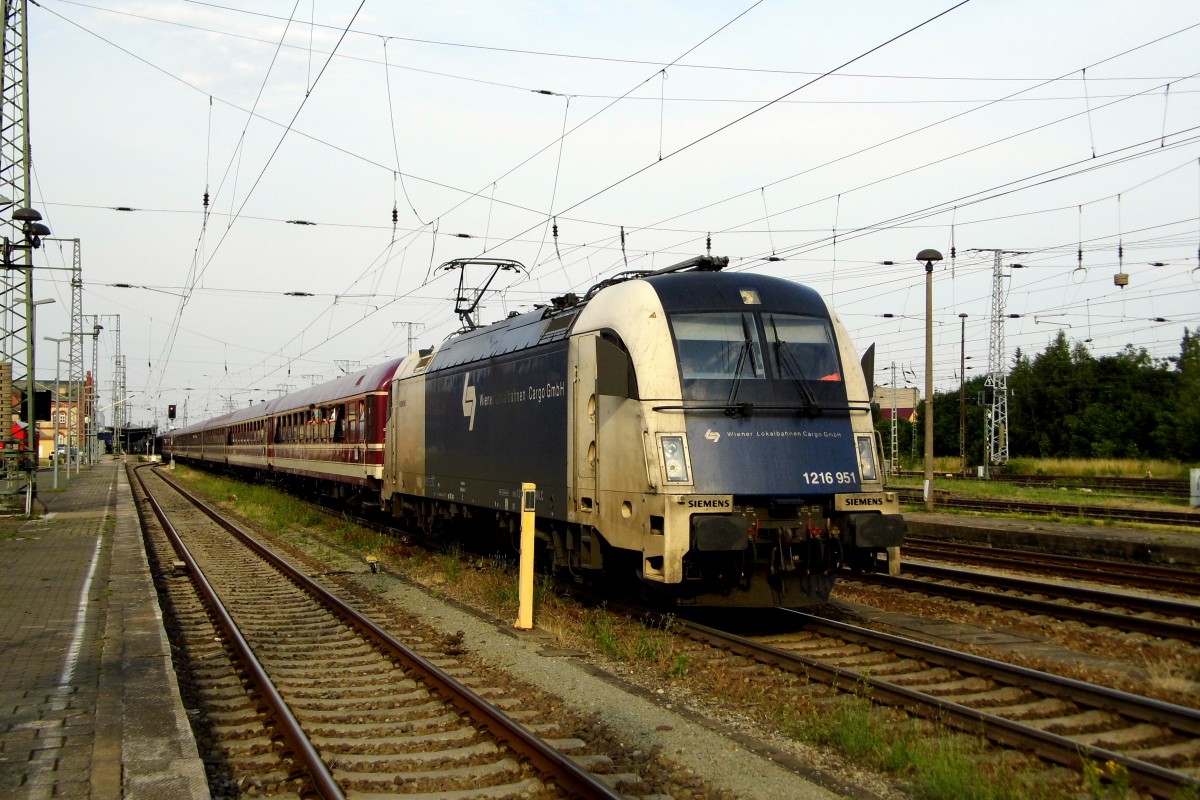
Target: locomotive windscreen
(770,349)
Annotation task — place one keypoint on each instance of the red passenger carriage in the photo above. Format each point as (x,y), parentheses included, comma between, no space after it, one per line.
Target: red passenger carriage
(332,434)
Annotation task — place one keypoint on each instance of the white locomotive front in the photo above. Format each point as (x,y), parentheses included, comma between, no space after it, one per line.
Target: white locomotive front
(706,434)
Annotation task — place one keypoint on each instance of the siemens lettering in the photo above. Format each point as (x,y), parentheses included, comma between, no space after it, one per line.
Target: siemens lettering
(864,501)
(710,504)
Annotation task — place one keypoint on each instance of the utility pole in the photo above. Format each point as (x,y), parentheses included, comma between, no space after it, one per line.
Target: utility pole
(345,365)
(93,406)
(75,373)
(412,328)
(962,396)
(995,387)
(895,425)
(118,383)
(21,233)
(120,412)
(75,370)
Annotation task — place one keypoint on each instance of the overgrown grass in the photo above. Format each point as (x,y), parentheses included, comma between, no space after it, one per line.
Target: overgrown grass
(265,506)
(935,763)
(1098,467)
(1078,467)
(650,644)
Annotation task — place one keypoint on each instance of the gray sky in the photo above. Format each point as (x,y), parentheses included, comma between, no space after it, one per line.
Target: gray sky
(976,129)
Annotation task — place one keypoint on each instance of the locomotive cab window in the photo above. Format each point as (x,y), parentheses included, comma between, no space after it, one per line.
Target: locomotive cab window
(801,348)
(718,346)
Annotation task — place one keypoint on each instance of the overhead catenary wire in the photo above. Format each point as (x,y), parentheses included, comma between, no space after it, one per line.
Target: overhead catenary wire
(564,249)
(575,56)
(469,194)
(168,347)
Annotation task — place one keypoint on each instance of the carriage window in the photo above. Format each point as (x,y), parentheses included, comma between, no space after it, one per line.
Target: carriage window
(339,424)
(801,348)
(721,346)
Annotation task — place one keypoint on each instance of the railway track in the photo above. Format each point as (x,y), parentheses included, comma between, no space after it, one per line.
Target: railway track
(1061,720)
(1168,619)
(1181,518)
(1125,573)
(1153,487)
(304,695)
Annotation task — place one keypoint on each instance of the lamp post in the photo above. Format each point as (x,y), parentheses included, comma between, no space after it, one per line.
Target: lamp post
(929,256)
(962,396)
(32,232)
(56,408)
(30,399)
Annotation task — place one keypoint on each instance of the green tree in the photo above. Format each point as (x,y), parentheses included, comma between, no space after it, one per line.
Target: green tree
(1179,433)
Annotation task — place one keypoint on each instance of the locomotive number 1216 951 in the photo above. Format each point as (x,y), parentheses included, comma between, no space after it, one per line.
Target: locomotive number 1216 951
(829,478)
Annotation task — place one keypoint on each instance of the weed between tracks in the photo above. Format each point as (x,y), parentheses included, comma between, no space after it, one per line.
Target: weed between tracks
(936,763)
(930,761)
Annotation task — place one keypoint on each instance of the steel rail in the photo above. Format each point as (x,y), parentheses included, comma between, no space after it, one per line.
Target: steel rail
(1188,519)
(1092,616)
(1169,487)
(571,777)
(1146,576)
(318,772)
(1160,781)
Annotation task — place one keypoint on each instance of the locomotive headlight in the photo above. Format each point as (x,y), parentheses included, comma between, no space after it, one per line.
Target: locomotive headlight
(674,459)
(866,459)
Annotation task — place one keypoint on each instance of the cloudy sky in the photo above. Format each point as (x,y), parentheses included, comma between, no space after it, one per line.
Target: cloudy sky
(348,149)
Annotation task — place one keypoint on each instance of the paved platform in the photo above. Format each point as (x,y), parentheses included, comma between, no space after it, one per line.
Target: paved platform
(89,705)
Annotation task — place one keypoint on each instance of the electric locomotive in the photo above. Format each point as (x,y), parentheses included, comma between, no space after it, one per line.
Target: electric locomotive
(705,435)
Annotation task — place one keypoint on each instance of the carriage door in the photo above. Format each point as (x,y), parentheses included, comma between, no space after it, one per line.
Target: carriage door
(607,457)
(581,448)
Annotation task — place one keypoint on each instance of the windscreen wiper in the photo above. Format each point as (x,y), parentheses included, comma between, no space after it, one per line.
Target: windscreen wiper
(782,351)
(732,407)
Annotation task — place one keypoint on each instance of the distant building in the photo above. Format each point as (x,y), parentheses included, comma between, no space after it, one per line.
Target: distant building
(70,408)
(906,400)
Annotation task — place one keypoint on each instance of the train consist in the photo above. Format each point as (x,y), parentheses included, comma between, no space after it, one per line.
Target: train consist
(703,435)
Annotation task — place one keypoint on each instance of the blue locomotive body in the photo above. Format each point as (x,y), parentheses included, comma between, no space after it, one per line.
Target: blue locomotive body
(706,434)
(490,419)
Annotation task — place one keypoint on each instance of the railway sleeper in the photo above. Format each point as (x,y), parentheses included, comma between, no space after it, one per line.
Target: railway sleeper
(1175,754)
(1077,723)
(1142,734)
(1035,709)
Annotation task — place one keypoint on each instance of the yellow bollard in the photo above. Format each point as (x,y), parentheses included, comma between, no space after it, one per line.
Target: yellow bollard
(525,578)
(893,558)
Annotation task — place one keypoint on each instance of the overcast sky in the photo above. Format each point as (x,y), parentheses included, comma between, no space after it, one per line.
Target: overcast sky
(831,136)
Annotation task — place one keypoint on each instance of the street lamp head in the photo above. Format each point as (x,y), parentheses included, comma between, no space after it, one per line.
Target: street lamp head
(929,256)
(27,215)
(34,233)
(962,316)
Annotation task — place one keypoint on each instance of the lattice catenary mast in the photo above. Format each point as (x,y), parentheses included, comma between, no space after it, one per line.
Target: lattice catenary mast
(995,387)
(16,284)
